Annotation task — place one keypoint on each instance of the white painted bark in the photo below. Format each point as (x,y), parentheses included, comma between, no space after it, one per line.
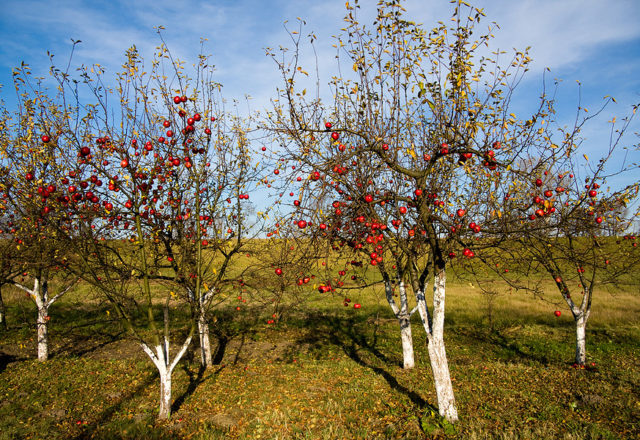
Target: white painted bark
(165,393)
(43,332)
(162,360)
(206,358)
(581,342)
(40,295)
(408,360)
(434,327)
(404,319)
(403,316)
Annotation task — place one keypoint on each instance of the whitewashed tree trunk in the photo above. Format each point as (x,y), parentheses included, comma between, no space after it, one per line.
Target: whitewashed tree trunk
(434,327)
(206,358)
(404,319)
(43,331)
(162,360)
(581,342)
(165,393)
(408,361)
(403,315)
(40,295)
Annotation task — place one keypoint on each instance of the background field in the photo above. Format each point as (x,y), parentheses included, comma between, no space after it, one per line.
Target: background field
(327,371)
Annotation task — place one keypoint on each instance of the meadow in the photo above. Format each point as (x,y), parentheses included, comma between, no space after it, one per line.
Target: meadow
(326,371)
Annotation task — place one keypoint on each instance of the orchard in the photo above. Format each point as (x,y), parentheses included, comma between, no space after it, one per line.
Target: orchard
(284,273)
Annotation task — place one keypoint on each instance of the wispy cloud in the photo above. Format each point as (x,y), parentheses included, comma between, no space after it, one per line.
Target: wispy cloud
(571,37)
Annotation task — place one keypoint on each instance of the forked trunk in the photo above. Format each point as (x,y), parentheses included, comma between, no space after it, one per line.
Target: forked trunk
(581,343)
(206,358)
(165,365)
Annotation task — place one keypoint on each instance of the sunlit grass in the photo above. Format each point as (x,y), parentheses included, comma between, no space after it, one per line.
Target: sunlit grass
(329,371)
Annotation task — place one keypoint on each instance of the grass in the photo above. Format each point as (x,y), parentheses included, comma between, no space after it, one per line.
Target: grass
(329,372)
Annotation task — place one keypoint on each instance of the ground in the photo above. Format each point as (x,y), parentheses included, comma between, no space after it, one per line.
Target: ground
(328,371)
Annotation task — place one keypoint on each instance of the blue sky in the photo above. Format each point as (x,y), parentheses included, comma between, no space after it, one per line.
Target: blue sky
(594,41)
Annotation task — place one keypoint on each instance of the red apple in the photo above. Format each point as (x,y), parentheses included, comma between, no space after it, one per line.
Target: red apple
(461,212)
(557,313)
(302,224)
(45,138)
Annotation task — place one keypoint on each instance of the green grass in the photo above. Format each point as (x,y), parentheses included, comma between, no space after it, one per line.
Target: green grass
(328,372)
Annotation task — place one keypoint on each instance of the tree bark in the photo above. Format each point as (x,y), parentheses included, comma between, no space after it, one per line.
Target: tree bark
(434,326)
(403,316)
(206,358)
(43,332)
(162,360)
(404,319)
(442,380)
(581,343)
(408,361)
(165,393)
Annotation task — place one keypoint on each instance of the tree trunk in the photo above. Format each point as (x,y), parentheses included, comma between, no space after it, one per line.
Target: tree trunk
(437,353)
(162,360)
(403,316)
(442,380)
(43,332)
(3,312)
(407,341)
(581,343)
(165,393)
(206,358)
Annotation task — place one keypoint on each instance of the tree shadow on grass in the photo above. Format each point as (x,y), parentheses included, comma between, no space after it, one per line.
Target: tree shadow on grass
(106,415)
(507,346)
(195,379)
(350,334)
(6,359)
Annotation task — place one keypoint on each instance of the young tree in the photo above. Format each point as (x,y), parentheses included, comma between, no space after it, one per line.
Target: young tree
(32,209)
(162,198)
(555,213)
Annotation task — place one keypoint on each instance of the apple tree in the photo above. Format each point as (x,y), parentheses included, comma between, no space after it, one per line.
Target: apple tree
(566,219)
(33,151)
(168,177)
(429,116)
